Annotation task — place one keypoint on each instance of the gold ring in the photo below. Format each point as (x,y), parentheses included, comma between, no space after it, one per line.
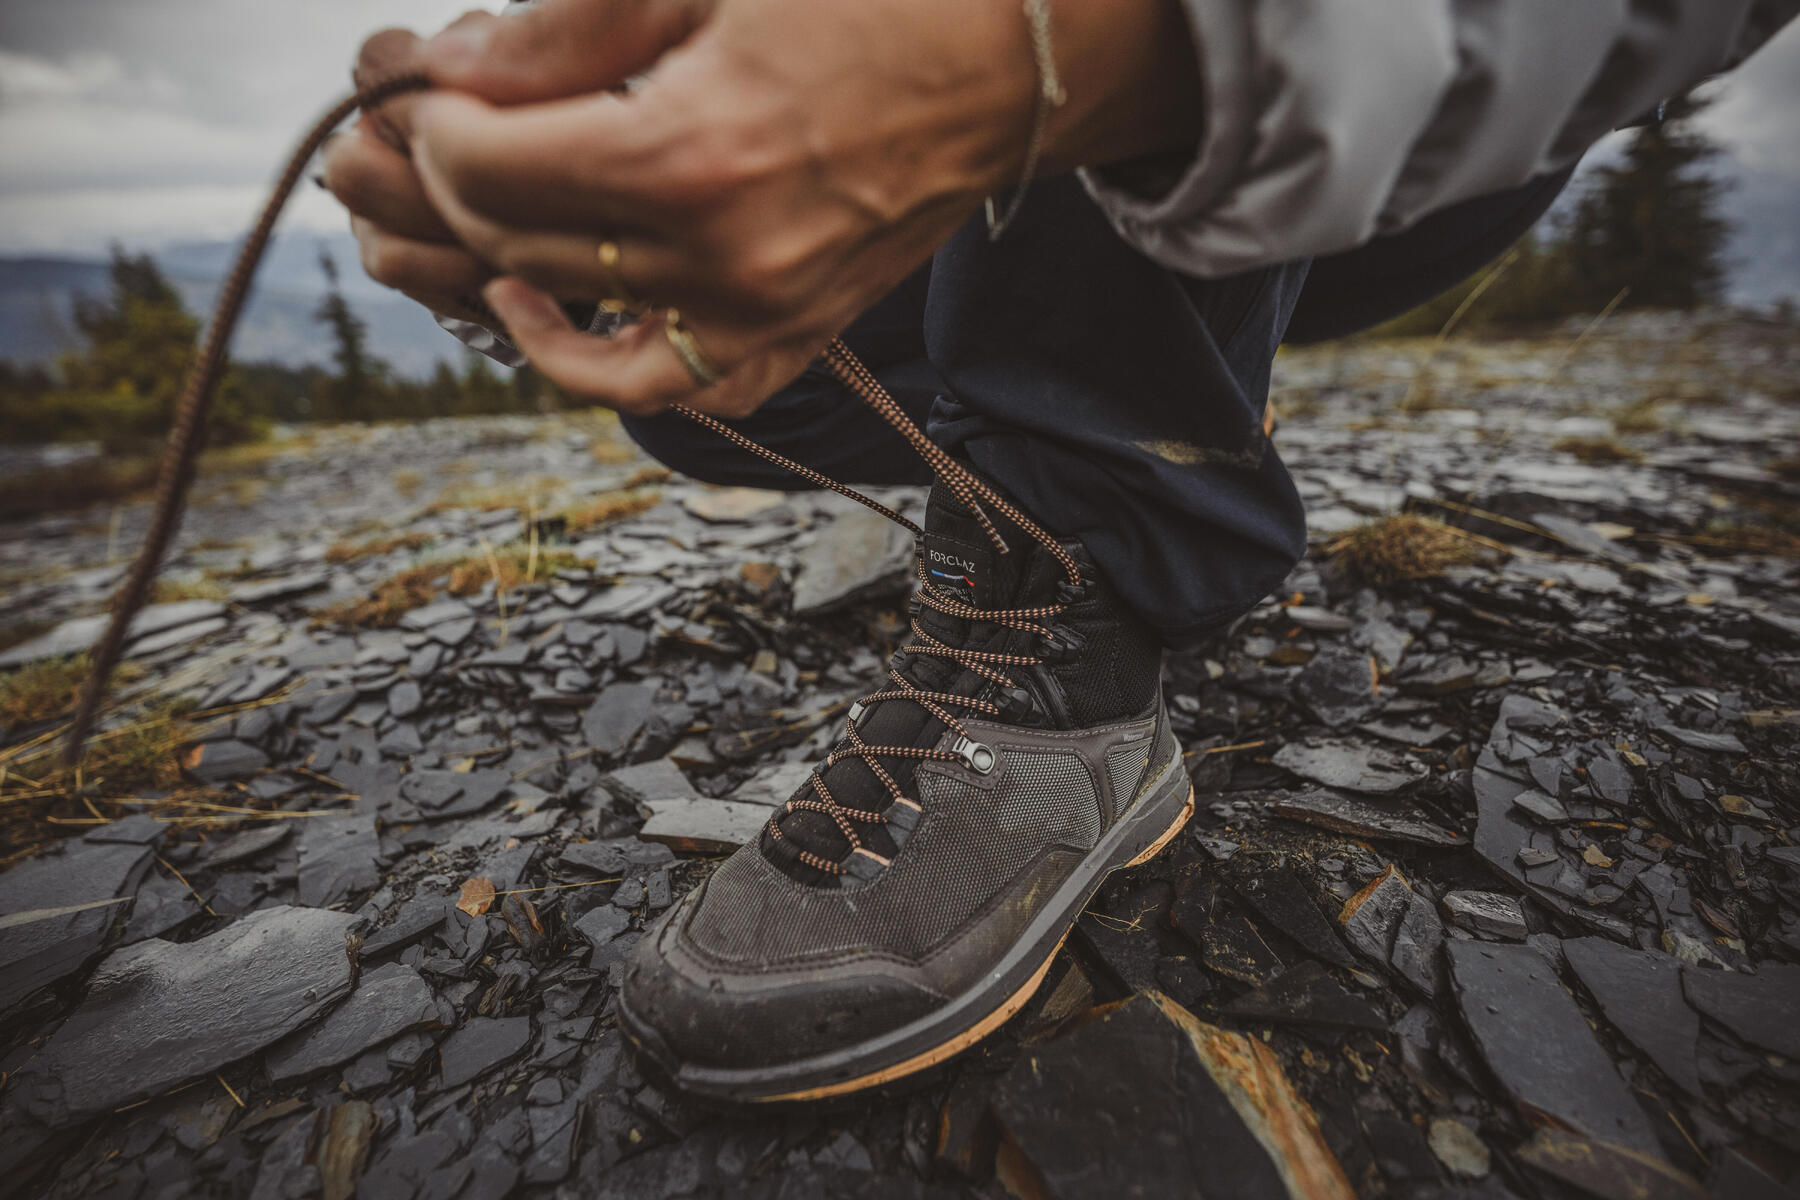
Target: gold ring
(688,350)
(621,299)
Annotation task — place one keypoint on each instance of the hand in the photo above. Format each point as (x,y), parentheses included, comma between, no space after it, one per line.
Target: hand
(783,165)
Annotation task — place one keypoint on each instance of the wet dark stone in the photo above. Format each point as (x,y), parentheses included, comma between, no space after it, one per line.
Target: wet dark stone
(1703,740)
(1306,994)
(594,858)
(1763,1009)
(388,1001)
(337,858)
(36,954)
(416,918)
(600,928)
(1383,820)
(1418,941)
(480,1046)
(613,720)
(162,903)
(405,699)
(1348,765)
(1539,1046)
(225,761)
(1125,1105)
(1610,1172)
(1282,898)
(1640,994)
(1338,687)
(646,783)
(159,1013)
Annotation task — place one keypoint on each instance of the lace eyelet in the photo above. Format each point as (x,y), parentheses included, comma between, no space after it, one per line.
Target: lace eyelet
(977,756)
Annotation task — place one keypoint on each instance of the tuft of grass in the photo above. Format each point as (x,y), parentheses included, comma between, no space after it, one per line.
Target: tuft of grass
(42,800)
(41,690)
(24,631)
(201,587)
(343,552)
(407,482)
(1401,547)
(1598,450)
(609,507)
(418,586)
(58,489)
(1641,416)
(528,496)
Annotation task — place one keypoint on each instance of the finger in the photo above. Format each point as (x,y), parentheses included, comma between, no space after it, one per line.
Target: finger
(558,48)
(635,370)
(588,163)
(416,267)
(384,55)
(375,181)
(572,266)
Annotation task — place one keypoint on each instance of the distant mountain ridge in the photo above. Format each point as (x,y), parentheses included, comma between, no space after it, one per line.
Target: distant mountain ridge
(37,295)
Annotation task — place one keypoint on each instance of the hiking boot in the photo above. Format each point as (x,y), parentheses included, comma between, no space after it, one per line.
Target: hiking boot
(911,895)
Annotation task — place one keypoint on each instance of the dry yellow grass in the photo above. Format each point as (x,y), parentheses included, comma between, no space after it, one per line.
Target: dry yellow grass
(203,587)
(407,482)
(1402,547)
(342,552)
(609,507)
(1598,450)
(417,586)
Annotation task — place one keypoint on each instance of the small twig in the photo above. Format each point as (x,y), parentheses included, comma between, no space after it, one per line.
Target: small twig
(182,879)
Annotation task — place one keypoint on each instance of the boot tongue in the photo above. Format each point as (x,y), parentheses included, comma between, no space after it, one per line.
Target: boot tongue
(962,560)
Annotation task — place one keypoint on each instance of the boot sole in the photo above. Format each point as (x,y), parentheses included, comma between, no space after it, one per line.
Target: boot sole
(966,1019)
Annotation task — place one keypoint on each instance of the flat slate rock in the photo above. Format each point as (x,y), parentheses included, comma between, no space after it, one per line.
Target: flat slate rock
(1490,913)
(1306,994)
(646,783)
(338,858)
(703,826)
(480,1046)
(1538,1045)
(1339,687)
(1598,1168)
(1351,766)
(1282,898)
(388,1001)
(859,555)
(1380,820)
(1763,1009)
(617,716)
(35,954)
(772,786)
(1639,992)
(73,637)
(1147,1100)
(224,761)
(416,918)
(159,1013)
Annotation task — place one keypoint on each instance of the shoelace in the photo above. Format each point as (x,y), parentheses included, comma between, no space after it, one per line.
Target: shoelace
(175,476)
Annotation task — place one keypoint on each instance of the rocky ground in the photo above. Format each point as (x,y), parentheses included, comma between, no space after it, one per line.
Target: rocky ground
(1493,889)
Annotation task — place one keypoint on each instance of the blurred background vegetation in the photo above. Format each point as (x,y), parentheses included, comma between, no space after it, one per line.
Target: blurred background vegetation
(1643,232)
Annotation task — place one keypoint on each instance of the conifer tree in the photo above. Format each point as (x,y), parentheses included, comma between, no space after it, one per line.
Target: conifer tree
(1650,223)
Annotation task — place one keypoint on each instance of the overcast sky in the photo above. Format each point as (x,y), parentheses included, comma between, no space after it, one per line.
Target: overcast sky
(151,120)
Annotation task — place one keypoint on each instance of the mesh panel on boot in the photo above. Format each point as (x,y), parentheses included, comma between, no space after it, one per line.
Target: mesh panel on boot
(1125,771)
(969,845)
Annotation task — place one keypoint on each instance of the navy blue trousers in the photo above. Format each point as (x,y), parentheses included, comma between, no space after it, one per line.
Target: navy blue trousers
(1119,402)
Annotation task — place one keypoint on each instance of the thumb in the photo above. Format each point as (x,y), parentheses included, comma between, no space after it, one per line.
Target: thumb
(554,49)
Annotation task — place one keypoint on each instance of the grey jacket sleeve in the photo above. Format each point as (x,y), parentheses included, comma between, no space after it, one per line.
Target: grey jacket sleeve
(1329,123)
